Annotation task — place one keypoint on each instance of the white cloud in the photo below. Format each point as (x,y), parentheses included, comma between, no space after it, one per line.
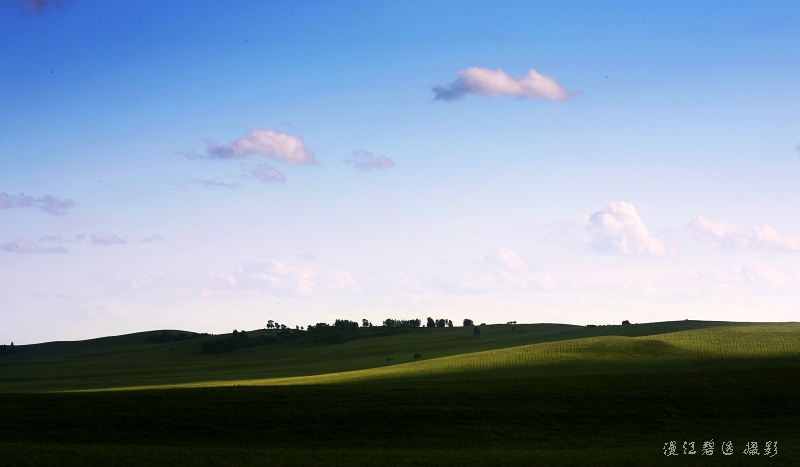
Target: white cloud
(108,307)
(267,174)
(726,235)
(619,229)
(268,143)
(24,246)
(365,160)
(229,278)
(106,239)
(46,203)
(507,259)
(341,279)
(765,274)
(497,83)
(59,239)
(733,278)
(214,182)
(278,277)
(153,238)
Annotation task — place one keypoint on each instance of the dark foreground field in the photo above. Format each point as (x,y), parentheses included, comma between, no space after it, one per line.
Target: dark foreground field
(612,419)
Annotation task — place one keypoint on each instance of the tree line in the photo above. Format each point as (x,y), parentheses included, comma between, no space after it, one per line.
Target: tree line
(342,330)
(4,349)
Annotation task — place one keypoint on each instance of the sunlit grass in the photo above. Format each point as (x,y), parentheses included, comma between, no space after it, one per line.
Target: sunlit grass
(720,346)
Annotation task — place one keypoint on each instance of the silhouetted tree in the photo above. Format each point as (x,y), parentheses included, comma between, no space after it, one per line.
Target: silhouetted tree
(449,323)
(345,325)
(401,323)
(626,322)
(431,322)
(468,322)
(365,323)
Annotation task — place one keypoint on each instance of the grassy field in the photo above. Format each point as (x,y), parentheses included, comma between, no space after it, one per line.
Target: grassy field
(522,395)
(134,360)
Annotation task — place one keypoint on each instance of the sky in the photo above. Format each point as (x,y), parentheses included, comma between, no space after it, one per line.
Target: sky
(210,166)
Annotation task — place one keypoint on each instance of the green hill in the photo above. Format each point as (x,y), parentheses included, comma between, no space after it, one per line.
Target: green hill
(539,394)
(140,360)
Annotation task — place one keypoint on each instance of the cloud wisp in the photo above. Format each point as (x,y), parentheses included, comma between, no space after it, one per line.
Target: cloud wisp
(267,174)
(107,239)
(726,235)
(618,229)
(277,279)
(36,7)
(266,143)
(153,238)
(46,203)
(508,260)
(59,239)
(214,182)
(27,246)
(496,83)
(365,160)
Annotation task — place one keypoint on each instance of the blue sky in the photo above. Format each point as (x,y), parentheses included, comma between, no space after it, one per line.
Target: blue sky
(209,166)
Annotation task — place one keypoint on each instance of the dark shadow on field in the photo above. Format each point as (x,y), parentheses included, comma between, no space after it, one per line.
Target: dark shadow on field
(601,419)
(148,359)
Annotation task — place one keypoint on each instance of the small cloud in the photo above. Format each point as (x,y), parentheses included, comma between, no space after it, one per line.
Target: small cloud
(341,279)
(36,7)
(267,143)
(24,246)
(619,229)
(365,160)
(278,277)
(191,154)
(46,203)
(59,239)
(726,235)
(154,238)
(103,307)
(765,274)
(267,174)
(497,83)
(214,182)
(507,259)
(106,239)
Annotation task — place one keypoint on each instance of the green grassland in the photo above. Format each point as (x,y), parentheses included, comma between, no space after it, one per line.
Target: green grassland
(540,394)
(134,360)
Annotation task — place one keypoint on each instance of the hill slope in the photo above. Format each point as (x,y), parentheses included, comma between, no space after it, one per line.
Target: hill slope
(136,360)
